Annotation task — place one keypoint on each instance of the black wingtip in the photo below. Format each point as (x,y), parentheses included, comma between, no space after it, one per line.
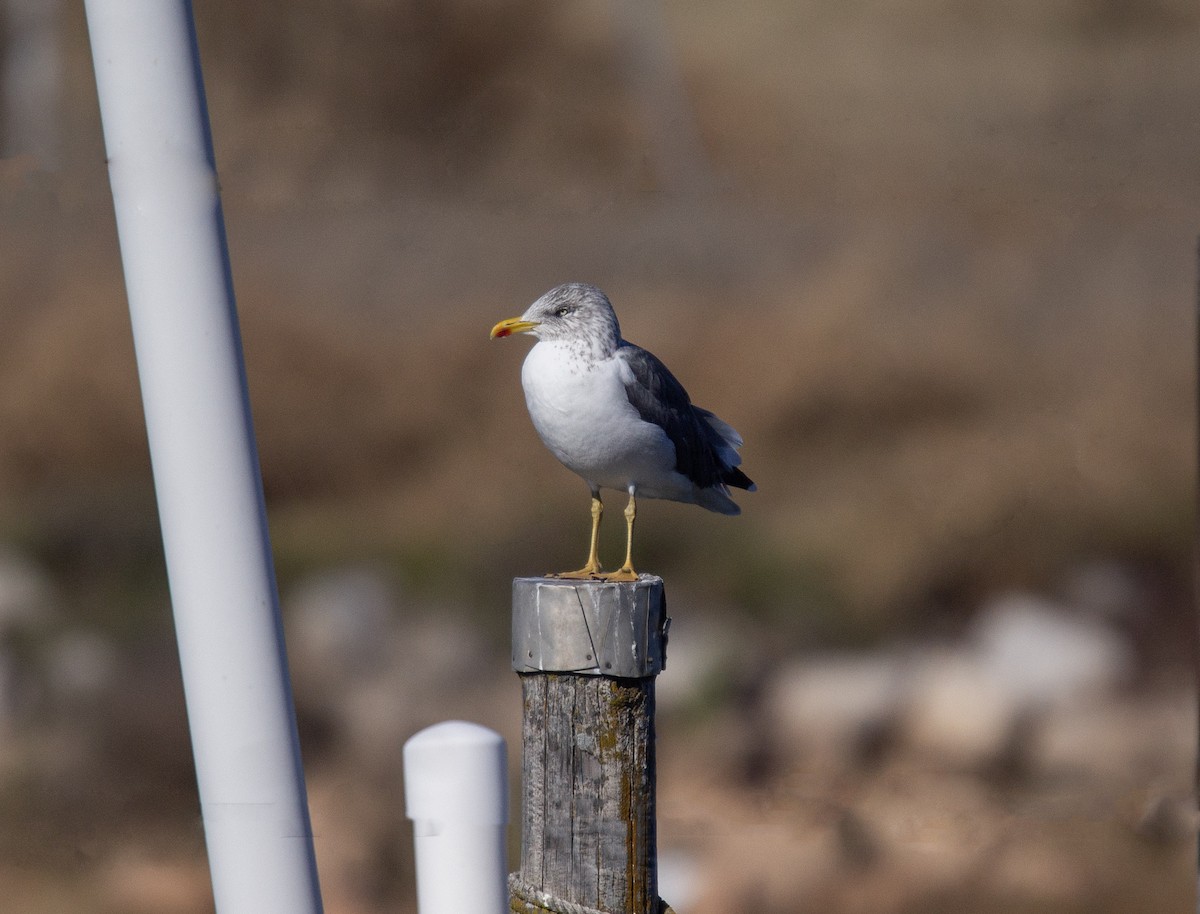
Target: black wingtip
(739,480)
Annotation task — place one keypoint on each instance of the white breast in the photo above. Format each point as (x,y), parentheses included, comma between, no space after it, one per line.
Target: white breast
(582,413)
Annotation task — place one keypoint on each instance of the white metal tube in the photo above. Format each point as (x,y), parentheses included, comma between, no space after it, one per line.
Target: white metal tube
(205,464)
(456,793)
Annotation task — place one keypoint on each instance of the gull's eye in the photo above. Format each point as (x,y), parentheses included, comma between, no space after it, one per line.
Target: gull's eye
(563,311)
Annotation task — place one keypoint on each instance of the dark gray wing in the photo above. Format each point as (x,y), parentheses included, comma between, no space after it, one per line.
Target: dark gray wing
(661,399)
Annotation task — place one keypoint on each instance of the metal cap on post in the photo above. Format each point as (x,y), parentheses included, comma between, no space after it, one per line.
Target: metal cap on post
(587,653)
(590,627)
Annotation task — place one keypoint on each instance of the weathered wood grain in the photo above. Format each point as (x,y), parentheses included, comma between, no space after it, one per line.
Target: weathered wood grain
(588,833)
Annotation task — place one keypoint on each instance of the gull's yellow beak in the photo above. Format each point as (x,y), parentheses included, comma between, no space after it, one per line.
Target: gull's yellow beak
(511,326)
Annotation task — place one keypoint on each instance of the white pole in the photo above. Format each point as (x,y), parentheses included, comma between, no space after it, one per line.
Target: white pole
(456,793)
(202,448)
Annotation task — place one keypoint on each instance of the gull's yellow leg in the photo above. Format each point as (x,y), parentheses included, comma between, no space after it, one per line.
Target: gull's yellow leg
(592,568)
(626,572)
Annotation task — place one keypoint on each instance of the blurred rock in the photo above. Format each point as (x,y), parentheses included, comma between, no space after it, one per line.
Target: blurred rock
(80,665)
(436,663)
(340,624)
(366,674)
(699,656)
(839,700)
(1105,588)
(26,601)
(680,874)
(979,703)
(956,710)
(25,593)
(440,650)
(755,757)
(984,703)
(1152,734)
(1041,655)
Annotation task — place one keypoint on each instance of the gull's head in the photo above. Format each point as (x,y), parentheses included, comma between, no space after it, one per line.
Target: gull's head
(573,312)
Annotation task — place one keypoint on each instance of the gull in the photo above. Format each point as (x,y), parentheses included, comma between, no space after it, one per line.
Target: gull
(612,413)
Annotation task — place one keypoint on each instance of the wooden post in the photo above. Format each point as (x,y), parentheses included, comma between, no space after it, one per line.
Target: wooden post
(587,653)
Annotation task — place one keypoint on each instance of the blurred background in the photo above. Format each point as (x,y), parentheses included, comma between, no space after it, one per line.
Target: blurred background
(936,261)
